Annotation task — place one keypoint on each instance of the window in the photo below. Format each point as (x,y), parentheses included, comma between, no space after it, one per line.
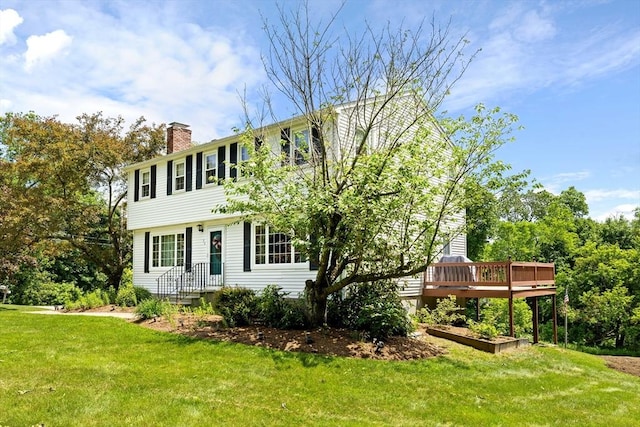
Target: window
(179,176)
(244,153)
(301,146)
(211,167)
(145,184)
(275,248)
(168,250)
(446,250)
(244,156)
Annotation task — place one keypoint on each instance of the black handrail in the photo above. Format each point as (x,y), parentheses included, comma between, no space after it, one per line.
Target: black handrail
(181,281)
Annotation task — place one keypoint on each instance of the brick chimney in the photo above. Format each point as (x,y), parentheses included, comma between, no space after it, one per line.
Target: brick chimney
(178,137)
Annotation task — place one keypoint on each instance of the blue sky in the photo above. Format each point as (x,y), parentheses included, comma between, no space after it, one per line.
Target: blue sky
(569,69)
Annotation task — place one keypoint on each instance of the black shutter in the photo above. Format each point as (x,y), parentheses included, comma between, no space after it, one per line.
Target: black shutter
(247,247)
(153,181)
(169,177)
(221,165)
(257,143)
(147,237)
(285,141)
(189,172)
(316,144)
(198,171)
(136,183)
(233,159)
(188,239)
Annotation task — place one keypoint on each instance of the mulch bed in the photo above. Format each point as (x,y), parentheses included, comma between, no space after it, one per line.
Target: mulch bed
(325,341)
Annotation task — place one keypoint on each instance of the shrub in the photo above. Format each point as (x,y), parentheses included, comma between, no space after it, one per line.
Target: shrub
(238,306)
(446,312)
(278,311)
(484,329)
(496,313)
(50,293)
(295,314)
(141,293)
(374,308)
(127,278)
(111,293)
(93,299)
(271,305)
(150,308)
(126,297)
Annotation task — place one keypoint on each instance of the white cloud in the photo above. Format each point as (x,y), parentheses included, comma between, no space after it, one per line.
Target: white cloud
(535,28)
(123,63)
(9,20)
(524,51)
(558,182)
(43,48)
(626,210)
(602,194)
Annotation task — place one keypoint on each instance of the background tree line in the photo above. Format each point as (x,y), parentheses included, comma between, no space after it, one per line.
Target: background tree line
(597,263)
(62,193)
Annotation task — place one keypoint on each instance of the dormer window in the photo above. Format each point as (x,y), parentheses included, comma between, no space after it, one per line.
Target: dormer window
(211,169)
(179,176)
(145,184)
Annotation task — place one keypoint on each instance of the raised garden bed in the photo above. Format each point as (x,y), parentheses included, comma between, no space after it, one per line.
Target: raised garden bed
(466,337)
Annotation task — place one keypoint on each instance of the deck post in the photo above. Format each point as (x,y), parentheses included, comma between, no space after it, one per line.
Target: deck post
(535,320)
(511,329)
(555,319)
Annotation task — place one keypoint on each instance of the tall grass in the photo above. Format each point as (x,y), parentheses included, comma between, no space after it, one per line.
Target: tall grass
(87,371)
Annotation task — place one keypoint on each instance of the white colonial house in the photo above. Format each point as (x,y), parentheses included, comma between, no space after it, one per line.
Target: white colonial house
(179,245)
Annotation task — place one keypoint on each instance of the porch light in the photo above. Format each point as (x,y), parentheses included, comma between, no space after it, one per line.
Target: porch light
(200,228)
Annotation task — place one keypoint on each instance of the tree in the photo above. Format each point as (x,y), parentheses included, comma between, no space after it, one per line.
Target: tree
(65,181)
(608,313)
(377,203)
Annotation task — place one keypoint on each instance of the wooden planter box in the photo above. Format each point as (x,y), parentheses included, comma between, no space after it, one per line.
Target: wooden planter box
(494,346)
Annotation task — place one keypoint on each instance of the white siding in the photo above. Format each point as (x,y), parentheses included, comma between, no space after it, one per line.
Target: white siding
(168,214)
(290,278)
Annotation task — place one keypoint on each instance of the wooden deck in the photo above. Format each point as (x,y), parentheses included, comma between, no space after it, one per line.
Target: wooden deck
(508,279)
(490,279)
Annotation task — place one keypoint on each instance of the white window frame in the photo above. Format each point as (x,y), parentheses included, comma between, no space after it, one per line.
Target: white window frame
(163,258)
(243,157)
(265,245)
(179,179)
(300,146)
(145,184)
(213,169)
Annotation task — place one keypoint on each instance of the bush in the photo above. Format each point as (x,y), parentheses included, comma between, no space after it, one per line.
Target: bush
(271,306)
(374,308)
(238,306)
(484,329)
(97,298)
(50,293)
(496,313)
(126,297)
(150,308)
(127,278)
(142,293)
(446,312)
(275,310)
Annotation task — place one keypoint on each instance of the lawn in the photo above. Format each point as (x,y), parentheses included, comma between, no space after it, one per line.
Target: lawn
(84,371)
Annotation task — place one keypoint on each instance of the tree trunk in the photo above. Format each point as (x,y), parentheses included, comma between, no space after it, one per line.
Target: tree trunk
(316,302)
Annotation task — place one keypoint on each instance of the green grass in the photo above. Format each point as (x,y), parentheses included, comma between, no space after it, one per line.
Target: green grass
(87,371)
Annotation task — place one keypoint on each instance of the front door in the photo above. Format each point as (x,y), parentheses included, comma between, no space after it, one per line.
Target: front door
(215,252)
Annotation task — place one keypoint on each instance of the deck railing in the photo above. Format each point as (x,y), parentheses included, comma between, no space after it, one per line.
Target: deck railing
(181,281)
(490,274)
